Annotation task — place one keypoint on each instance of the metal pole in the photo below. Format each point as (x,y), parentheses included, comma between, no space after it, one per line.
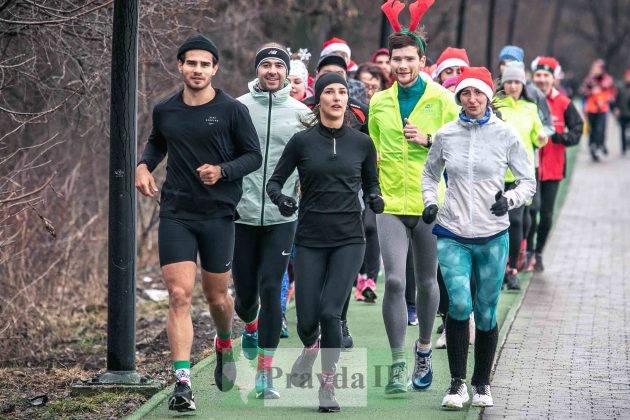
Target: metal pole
(121,321)
(121,372)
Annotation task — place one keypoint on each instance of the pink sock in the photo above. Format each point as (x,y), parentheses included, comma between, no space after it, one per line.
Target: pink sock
(252,327)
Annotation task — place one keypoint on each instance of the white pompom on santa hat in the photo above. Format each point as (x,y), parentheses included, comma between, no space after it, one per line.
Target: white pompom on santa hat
(451,57)
(335,44)
(476,77)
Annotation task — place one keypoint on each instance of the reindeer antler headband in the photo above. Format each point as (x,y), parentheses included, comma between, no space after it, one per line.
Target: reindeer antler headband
(417,9)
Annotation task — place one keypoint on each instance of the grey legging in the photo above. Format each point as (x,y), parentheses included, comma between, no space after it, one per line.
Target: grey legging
(394,234)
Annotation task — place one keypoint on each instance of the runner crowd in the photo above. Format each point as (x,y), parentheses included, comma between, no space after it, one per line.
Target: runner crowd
(443,173)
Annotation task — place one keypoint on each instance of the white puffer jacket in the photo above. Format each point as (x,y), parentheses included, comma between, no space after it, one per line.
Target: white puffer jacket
(476,158)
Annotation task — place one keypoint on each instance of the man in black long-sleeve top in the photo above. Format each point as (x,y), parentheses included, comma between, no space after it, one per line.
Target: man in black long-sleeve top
(211,144)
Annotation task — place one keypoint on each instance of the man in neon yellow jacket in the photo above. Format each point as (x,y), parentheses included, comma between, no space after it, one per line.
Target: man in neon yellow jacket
(521,112)
(401,122)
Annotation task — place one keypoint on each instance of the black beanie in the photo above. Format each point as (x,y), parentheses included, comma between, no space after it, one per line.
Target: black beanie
(267,53)
(325,80)
(198,42)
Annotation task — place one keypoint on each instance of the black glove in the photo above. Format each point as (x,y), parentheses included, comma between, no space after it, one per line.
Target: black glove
(287,206)
(429,214)
(376,203)
(501,206)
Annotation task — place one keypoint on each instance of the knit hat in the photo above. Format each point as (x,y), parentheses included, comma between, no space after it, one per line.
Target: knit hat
(334,59)
(272,53)
(451,57)
(477,77)
(298,69)
(514,71)
(198,42)
(548,64)
(512,53)
(335,44)
(377,53)
(325,80)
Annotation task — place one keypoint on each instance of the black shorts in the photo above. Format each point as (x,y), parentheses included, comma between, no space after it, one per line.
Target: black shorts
(213,239)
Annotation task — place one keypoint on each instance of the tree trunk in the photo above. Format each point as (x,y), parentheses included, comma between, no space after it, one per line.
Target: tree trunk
(491,12)
(555,24)
(512,22)
(461,17)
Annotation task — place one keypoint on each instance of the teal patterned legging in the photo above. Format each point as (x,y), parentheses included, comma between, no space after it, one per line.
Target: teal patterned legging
(457,262)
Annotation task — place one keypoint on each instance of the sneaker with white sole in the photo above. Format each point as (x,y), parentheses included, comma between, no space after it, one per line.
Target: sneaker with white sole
(456,396)
(440,343)
(482,396)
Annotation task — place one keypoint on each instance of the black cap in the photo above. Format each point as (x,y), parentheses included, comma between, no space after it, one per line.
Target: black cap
(334,59)
(325,80)
(198,42)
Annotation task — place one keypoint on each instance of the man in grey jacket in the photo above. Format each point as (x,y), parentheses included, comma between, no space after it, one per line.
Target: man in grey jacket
(264,232)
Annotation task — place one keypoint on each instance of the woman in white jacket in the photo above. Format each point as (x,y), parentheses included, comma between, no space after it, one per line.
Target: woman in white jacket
(472,224)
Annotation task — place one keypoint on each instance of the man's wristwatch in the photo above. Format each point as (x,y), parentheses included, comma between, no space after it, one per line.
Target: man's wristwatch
(429,140)
(223,174)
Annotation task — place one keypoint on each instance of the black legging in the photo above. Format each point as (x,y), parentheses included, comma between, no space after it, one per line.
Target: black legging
(410,285)
(548,192)
(597,135)
(323,280)
(516,234)
(533,210)
(261,254)
(372,259)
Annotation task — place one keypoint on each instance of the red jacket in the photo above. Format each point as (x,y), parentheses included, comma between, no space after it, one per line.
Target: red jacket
(568,124)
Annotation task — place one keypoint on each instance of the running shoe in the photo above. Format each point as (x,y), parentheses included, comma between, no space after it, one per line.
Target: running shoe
(264,386)
(182,398)
(440,343)
(358,290)
(346,339)
(531,262)
(302,369)
(225,370)
(456,396)
(412,317)
(284,331)
(327,401)
(369,291)
(512,280)
(398,381)
(482,396)
(539,267)
(249,343)
(422,375)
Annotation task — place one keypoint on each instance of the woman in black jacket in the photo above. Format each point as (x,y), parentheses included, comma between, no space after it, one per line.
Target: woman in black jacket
(334,161)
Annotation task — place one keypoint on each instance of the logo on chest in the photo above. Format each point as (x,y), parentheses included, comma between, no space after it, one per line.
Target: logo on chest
(210,120)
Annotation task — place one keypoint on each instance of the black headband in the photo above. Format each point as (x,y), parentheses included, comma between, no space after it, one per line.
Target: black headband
(547,68)
(268,53)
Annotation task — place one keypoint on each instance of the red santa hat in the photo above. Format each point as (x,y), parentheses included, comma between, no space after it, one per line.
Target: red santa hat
(548,64)
(451,57)
(335,44)
(476,77)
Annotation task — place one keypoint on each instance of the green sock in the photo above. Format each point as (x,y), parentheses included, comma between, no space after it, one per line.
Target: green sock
(224,335)
(181,364)
(398,355)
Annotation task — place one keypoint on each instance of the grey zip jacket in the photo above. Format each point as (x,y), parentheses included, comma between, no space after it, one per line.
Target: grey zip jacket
(277,117)
(475,158)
